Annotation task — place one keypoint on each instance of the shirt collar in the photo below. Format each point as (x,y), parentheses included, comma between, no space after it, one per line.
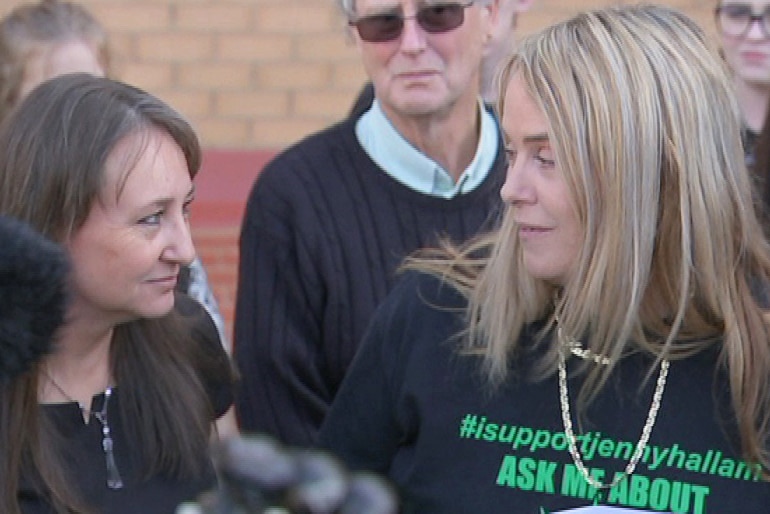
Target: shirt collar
(408,165)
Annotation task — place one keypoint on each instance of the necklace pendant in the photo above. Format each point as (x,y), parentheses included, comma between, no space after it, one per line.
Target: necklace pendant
(576,349)
(114,480)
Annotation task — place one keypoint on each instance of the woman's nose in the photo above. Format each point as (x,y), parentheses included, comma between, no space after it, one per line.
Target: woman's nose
(180,247)
(517,187)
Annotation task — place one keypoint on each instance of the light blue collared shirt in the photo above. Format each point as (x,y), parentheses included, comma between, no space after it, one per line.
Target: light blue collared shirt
(405,163)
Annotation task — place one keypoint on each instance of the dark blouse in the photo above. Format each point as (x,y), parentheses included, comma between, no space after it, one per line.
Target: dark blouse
(86,457)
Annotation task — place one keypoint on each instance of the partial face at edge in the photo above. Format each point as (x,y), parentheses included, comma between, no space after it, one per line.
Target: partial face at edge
(548,228)
(503,33)
(50,61)
(748,55)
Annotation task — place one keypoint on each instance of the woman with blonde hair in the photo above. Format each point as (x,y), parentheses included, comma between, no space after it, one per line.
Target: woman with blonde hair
(608,344)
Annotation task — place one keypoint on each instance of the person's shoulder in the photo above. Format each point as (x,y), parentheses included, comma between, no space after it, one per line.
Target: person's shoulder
(208,355)
(321,158)
(423,293)
(198,319)
(187,306)
(421,316)
(363,101)
(313,151)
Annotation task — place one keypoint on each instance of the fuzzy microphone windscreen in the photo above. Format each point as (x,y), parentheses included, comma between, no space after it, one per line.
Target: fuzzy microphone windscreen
(257,474)
(33,295)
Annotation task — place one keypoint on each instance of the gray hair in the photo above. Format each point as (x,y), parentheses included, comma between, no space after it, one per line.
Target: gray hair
(348,7)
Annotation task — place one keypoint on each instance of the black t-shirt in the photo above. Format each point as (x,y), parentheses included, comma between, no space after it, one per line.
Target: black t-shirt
(414,409)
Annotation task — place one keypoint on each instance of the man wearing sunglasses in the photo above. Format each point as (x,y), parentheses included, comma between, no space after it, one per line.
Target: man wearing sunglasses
(500,41)
(330,219)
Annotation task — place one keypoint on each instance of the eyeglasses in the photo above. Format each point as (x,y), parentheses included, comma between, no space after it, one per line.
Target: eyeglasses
(434,18)
(734,20)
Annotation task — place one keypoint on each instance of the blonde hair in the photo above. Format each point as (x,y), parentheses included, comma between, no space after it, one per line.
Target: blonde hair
(645,128)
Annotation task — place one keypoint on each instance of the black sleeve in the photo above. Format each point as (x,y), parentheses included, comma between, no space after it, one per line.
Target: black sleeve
(284,389)
(213,363)
(183,281)
(362,426)
(407,351)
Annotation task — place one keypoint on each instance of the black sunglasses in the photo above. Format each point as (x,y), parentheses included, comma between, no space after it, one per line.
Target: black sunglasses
(735,19)
(435,18)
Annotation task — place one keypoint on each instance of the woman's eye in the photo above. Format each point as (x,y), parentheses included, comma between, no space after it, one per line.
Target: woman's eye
(544,156)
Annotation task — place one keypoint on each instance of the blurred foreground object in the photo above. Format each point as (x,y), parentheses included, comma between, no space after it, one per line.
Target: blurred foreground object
(33,295)
(258,475)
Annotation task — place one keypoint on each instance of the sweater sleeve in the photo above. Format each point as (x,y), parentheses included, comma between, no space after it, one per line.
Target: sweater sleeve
(370,416)
(405,357)
(279,311)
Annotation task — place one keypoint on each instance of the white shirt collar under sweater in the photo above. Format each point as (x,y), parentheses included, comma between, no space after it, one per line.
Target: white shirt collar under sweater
(405,163)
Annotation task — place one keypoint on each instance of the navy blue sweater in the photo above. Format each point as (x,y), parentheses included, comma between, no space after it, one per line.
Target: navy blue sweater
(323,232)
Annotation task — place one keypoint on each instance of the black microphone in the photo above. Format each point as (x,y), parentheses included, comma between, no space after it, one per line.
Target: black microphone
(33,295)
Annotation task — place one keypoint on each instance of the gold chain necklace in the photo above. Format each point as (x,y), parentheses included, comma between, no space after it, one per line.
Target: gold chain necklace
(567,420)
(577,349)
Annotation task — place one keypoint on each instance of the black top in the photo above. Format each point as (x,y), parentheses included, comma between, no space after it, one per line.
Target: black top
(323,232)
(86,458)
(413,408)
(749,138)
(363,101)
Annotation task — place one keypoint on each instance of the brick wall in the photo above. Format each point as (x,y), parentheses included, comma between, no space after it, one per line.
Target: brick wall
(254,76)
(259,73)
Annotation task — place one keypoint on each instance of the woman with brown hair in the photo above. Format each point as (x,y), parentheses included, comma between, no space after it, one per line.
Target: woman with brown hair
(49,38)
(117,419)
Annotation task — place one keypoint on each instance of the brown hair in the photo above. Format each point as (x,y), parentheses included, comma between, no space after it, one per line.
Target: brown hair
(53,150)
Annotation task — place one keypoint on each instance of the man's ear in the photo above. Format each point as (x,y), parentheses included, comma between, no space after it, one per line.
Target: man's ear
(494,11)
(523,5)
